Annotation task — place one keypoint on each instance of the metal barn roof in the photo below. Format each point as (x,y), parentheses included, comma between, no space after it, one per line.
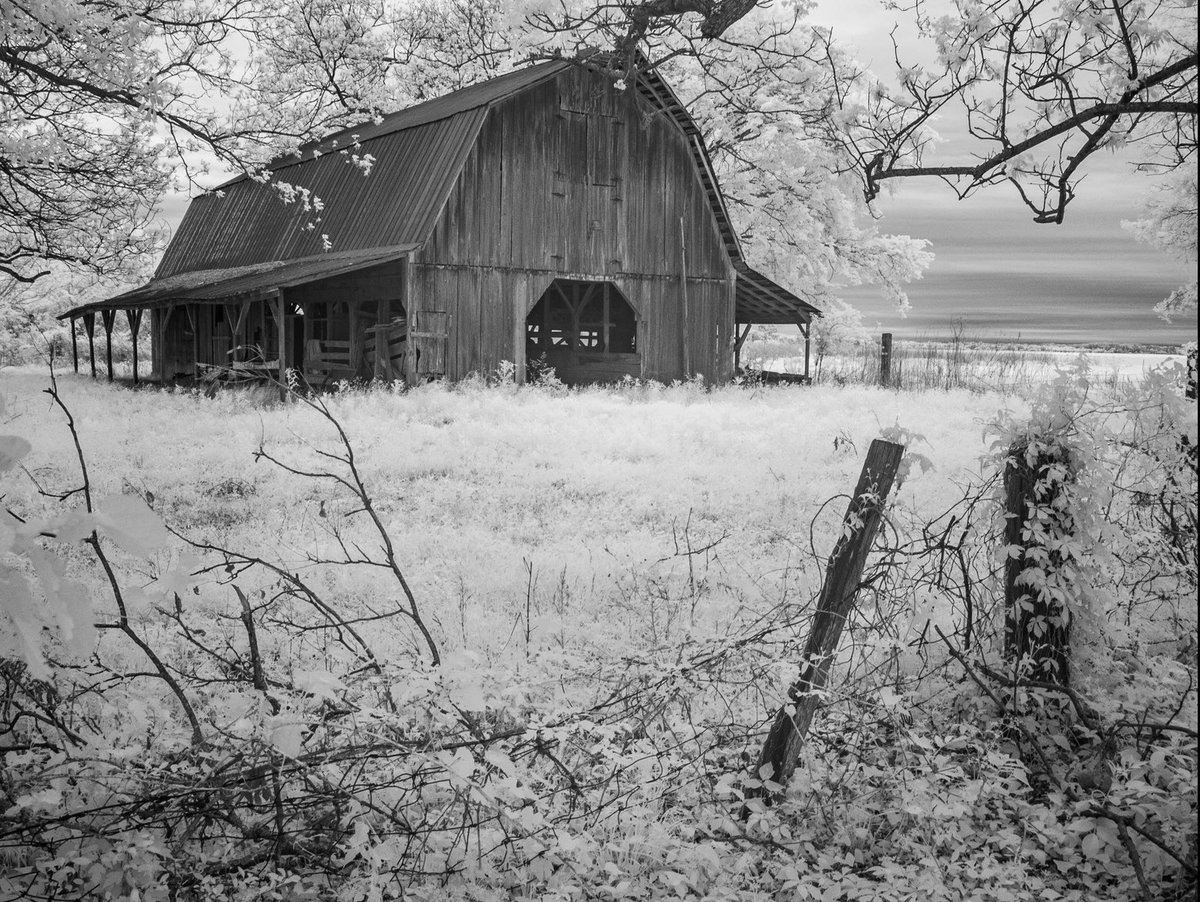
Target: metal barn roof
(418,153)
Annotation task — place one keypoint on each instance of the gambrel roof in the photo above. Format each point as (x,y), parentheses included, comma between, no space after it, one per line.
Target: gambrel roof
(417,154)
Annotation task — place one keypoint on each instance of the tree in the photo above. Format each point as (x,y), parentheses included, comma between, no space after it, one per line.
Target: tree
(232,83)
(1169,220)
(109,103)
(1043,87)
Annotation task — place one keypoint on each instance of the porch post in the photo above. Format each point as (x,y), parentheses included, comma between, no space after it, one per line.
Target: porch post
(740,336)
(89,323)
(164,319)
(235,327)
(410,316)
(805,330)
(108,317)
(277,305)
(134,315)
(193,316)
(74,346)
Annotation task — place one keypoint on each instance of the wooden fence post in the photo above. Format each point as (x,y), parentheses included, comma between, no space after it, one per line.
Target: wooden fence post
(781,751)
(885,359)
(1036,627)
(1190,390)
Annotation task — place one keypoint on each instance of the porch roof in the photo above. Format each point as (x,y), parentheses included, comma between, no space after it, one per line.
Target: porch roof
(759,299)
(244,282)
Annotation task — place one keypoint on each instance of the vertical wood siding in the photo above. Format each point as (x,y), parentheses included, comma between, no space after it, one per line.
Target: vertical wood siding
(575,178)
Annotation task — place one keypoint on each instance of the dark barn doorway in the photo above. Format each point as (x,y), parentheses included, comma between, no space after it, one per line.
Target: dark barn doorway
(586,331)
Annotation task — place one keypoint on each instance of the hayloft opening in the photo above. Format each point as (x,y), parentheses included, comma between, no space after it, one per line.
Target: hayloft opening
(586,331)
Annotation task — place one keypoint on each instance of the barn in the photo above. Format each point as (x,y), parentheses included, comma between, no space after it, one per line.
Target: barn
(547,217)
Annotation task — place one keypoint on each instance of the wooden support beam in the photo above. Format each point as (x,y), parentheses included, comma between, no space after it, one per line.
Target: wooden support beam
(781,750)
(280,310)
(410,344)
(74,346)
(739,339)
(806,331)
(108,317)
(235,328)
(164,320)
(193,316)
(684,326)
(134,316)
(89,323)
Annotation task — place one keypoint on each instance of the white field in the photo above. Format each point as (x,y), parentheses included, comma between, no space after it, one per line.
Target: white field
(597,491)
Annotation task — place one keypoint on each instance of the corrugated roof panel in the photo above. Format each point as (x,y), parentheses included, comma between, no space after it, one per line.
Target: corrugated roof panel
(230,282)
(397,203)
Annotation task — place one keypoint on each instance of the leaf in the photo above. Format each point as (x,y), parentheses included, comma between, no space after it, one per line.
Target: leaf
(499,760)
(19,607)
(1092,845)
(287,736)
(320,683)
(468,695)
(12,449)
(128,521)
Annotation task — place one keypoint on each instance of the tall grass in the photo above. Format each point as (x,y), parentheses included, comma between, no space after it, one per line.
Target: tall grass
(954,364)
(943,367)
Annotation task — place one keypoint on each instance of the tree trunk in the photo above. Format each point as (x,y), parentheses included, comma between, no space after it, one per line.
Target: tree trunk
(781,751)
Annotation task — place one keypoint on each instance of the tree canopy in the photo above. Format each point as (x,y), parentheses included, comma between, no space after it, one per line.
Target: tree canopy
(115,103)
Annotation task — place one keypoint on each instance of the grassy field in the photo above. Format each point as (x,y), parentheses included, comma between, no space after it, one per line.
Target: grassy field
(474,483)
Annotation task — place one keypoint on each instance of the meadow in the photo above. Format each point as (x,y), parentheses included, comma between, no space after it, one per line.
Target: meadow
(615,581)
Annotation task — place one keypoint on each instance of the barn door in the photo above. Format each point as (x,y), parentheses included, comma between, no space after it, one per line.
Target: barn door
(429,340)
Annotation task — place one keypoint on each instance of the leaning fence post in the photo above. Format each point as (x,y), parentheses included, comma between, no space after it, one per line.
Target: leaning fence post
(885,359)
(1037,627)
(781,750)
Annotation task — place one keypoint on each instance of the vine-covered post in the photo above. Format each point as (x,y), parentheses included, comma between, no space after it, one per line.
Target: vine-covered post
(1190,390)
(1037,627)
(885,359)
(781,751)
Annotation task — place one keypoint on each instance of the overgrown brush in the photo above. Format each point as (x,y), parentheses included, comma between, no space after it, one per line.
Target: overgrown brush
(245,726)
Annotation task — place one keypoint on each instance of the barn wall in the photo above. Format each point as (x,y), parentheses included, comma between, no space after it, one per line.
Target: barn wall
(574,178)
(177,354)
(488,309)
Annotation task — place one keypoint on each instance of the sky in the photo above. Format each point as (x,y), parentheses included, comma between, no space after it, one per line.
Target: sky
(1001,274)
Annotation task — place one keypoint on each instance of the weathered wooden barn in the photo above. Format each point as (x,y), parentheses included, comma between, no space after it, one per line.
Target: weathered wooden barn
(542,216)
